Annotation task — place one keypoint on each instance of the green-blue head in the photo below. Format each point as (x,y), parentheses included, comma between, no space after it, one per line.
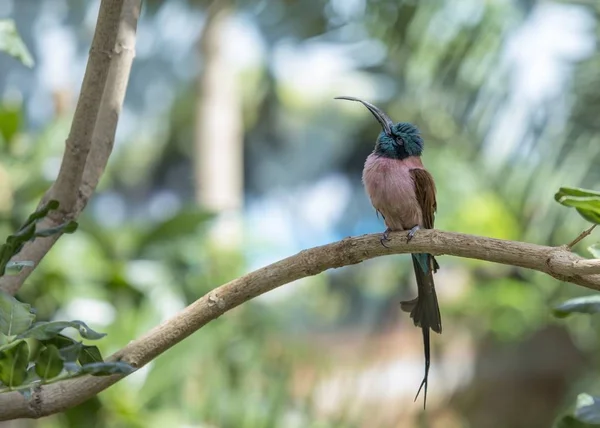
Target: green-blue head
(396,141)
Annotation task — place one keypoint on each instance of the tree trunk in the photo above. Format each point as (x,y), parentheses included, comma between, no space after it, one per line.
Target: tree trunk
(219,129)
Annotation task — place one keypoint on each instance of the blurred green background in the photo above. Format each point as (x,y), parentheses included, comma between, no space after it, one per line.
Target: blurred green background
(231,153)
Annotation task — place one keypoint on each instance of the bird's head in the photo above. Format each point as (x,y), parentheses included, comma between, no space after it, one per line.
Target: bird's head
(396,141)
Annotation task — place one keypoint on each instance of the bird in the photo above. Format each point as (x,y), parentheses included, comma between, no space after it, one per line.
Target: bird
(403,192)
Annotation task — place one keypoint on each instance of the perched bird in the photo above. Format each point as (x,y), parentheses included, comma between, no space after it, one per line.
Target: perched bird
(403,192)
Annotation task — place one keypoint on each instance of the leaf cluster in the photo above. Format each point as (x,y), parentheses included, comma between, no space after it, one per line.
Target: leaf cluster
(36,353)
(587,204)
(28,232)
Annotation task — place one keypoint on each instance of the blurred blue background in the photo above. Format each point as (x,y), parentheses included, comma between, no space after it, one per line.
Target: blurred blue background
(231,154)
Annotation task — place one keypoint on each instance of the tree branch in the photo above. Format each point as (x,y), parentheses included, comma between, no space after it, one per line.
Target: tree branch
(92,133)
(103,138)
(558,262)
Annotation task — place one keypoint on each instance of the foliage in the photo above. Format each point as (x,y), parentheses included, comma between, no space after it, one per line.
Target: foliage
(33,354)
(586,202)
(12,44)
(28,232)
(584,305)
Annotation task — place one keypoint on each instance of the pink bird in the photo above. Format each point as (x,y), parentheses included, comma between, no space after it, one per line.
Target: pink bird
(403,192)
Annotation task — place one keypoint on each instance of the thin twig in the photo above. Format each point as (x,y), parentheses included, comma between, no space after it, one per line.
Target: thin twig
(581,236)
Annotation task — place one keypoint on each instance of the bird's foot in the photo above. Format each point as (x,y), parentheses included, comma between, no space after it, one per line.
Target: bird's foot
(385,237)
(411,233)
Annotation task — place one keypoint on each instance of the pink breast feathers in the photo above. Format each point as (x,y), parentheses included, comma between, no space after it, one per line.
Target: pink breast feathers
(392,192)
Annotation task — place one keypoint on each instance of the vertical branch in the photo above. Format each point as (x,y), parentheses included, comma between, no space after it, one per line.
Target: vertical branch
(103,138)
(92,133)
(79,141)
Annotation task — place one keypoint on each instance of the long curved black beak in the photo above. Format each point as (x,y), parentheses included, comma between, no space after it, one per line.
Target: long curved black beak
(383,119)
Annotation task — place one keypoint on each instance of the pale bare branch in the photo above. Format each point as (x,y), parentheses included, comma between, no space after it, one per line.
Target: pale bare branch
(92,133)
(558,262)
(103,138)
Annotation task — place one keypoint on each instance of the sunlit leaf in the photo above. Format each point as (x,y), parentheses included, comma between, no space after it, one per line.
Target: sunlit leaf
(48,330)
(576,192)
(49,363)
(14,268)
(107,368)
(12,44)
(595,250)
(15,317)
(13,364)
(10,122)
(587,409)
(583,305)
(587,202)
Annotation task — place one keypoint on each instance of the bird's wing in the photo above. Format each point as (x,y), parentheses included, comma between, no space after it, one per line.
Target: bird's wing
(425,192)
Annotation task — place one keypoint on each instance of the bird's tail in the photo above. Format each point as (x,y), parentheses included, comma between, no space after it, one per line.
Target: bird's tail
(424,310)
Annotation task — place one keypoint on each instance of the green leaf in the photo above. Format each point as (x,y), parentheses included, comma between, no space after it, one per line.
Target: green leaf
(583,305)
(89,355)
(14,268)
(595,250)
(107,368)
(61,341)
(3,339)
(15,317)
(71,350)
(42,212)
(570,422)
(12,44)
(587,409)
(70,354)
(587,202)
(589,215)
(68,227)
(10,122)
(23,235)
(48,330)
(13,364)
(49,363)
(184,223)
(576,192)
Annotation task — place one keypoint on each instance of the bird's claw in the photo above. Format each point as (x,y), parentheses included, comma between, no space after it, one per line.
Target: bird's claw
(411,233)
(385,237)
